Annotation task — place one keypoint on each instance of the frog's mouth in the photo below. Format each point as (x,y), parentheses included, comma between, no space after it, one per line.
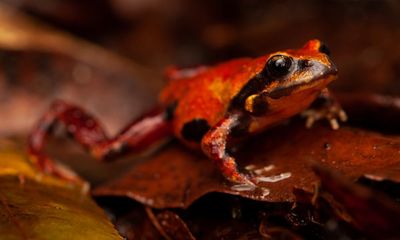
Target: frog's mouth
(317,83)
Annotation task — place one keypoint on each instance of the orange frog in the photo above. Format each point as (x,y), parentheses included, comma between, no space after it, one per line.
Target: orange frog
(210,108)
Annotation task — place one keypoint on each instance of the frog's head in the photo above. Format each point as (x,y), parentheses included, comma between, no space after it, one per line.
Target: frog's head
(290,80)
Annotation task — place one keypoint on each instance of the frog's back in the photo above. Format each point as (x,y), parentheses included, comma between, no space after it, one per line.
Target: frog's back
(181,82)
(201,100)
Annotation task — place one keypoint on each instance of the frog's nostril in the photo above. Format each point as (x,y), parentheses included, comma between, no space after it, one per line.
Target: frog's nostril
(305,64)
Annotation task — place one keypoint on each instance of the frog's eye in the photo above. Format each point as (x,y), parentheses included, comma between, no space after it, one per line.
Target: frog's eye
(279,65)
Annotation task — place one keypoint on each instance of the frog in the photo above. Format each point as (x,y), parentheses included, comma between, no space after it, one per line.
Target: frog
(209,109)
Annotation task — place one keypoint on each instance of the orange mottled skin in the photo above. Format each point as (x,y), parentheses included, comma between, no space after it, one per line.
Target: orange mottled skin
(208,94)
(209,108)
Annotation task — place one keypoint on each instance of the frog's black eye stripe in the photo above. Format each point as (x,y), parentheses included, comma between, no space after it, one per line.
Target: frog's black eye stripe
(278,66)
(253,86)
(195,129)
(324,49)
(260,105)
(257,104)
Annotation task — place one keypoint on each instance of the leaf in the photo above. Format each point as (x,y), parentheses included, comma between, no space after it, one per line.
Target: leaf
(374,213)
(176,176)
(373,111)
(170,225)
(35,206)
(130,218)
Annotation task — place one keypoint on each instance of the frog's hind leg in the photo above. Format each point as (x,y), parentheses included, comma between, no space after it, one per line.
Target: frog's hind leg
(87,131)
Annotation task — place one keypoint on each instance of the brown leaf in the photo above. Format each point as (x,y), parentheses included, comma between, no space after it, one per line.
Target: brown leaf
(130,218)
(170,225)
(373,111)
(374,213)
(222,216)
(175,177)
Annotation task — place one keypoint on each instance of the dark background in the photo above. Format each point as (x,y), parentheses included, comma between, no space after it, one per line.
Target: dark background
(363,35)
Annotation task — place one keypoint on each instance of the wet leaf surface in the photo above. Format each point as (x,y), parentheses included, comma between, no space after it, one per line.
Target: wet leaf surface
(35,206)
(175,177)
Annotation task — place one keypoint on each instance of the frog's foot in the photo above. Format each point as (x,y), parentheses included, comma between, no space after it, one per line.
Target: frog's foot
(241,183)
(242,179)
(230,172)
(47,166)
(325,107)
(333,114)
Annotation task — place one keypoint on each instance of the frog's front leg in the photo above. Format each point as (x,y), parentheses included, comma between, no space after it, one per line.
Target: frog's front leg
(215,144)
(87,131)
(327,107)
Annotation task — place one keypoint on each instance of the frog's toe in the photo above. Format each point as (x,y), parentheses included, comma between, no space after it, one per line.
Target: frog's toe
(334,123)
(241,182)
(311,116)
(342,115)
(47,166)
(333,114)
(241,179)
(310,119)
